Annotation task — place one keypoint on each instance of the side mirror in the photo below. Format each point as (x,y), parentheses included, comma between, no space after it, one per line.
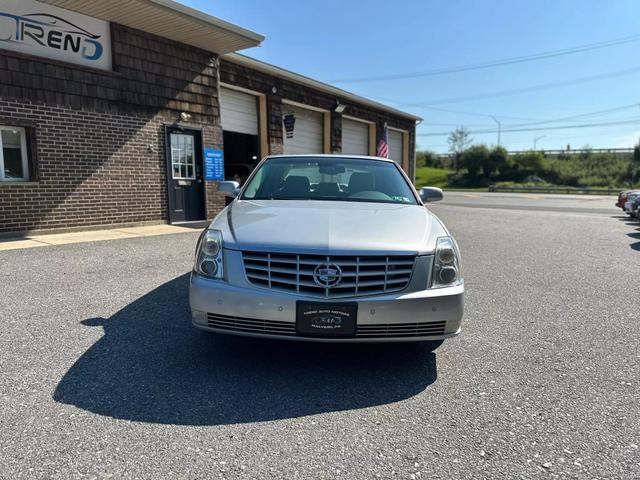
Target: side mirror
(431,194)
(230,188)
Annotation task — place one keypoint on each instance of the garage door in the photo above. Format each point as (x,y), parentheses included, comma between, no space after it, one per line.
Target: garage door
(395,146)
(307,132)
(238,111)
(355,137)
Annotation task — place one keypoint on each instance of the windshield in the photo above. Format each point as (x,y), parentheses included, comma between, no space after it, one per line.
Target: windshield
(330,179)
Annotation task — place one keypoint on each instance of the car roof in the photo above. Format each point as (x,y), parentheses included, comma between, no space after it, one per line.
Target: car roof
(332,156)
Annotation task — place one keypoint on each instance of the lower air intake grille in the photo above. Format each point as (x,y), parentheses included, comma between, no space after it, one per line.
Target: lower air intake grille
(401,330)
(287,329)
(250,325)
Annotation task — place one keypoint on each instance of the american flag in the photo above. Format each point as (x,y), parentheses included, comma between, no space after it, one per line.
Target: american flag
(383,144)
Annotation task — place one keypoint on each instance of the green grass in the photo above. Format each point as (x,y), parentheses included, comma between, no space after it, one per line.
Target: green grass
(439,177)
(432,177)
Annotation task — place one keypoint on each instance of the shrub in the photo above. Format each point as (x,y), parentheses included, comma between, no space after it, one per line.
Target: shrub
(483,166)
(427,158)
(474,159)
(496,162)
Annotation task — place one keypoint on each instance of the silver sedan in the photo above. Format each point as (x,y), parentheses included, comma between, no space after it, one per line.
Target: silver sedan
(332,249)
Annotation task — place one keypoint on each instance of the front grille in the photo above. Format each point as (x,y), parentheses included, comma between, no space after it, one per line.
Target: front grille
(361,275)
(288,329)
(250,325)
(401,330)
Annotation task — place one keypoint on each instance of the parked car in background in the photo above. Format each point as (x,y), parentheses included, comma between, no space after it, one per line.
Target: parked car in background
(328,248)
(635,206)
(629,208)
(622,198)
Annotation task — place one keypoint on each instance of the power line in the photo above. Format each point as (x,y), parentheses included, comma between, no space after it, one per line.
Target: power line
(516,125)
(493,63)
(486,115)
(533,88)
(535,129)
(544,122)
(446,110)
(581,115)
(459,124)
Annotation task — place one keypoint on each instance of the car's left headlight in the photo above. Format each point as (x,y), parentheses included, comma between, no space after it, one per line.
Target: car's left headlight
(208,261)
(446,263)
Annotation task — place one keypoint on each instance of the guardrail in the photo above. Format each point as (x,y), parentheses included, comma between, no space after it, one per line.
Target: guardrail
(574,190)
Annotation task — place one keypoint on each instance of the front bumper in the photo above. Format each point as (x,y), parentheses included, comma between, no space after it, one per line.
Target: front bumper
(426,315)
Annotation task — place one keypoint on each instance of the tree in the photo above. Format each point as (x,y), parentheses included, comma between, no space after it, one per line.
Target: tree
(426,158)
(635,166)
(496,162)
(530,163)
(459,140)
(474,158)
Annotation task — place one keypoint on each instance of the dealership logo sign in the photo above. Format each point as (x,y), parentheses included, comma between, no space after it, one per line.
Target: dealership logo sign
(54,32)
(40,29)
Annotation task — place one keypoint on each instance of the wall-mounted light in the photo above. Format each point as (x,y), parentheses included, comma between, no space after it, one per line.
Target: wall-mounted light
(274,90)
(339,108)
(185,117)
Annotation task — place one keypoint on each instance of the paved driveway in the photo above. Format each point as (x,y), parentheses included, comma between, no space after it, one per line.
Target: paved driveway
(101,374)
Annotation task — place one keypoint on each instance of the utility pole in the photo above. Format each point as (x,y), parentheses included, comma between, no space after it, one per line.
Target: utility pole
(535,141)
(499,127)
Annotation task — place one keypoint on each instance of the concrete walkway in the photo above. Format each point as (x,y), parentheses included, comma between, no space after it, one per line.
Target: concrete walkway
(34,241)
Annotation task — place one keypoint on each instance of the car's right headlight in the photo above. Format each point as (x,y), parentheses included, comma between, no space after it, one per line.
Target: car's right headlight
(208,260)
(446,263)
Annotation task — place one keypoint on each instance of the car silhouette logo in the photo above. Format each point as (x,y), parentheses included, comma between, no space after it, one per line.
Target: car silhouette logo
(329,322)
(327,275)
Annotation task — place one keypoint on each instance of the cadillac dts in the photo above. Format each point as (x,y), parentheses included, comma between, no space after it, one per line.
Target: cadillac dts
(328,248)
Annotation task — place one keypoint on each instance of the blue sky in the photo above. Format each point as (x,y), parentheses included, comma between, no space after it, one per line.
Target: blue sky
(332,40)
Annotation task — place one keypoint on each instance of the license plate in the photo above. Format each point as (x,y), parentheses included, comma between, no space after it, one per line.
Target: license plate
(326,319)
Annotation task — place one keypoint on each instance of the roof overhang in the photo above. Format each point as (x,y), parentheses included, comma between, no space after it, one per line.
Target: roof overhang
(168,19)
(315,84)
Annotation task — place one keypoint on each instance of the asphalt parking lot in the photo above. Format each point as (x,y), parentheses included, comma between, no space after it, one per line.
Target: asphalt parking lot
(102,376)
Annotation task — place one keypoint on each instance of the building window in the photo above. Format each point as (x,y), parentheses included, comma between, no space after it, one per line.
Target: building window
(183,157)
(14,160)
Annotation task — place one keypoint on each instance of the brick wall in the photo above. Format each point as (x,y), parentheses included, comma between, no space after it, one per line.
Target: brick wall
(100,136)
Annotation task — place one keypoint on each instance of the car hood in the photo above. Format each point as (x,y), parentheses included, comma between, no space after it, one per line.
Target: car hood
(324,226)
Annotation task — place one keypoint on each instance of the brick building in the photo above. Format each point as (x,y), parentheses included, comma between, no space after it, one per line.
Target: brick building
(108,110)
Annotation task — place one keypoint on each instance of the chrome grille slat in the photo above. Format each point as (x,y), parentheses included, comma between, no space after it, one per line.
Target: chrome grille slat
(401,330)
(361,275)
(250,325)
(273,327)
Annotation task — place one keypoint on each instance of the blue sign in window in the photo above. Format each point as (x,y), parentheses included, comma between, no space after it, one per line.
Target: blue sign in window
(213,164)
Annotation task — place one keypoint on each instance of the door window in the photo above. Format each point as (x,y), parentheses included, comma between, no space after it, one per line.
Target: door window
(183,157)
